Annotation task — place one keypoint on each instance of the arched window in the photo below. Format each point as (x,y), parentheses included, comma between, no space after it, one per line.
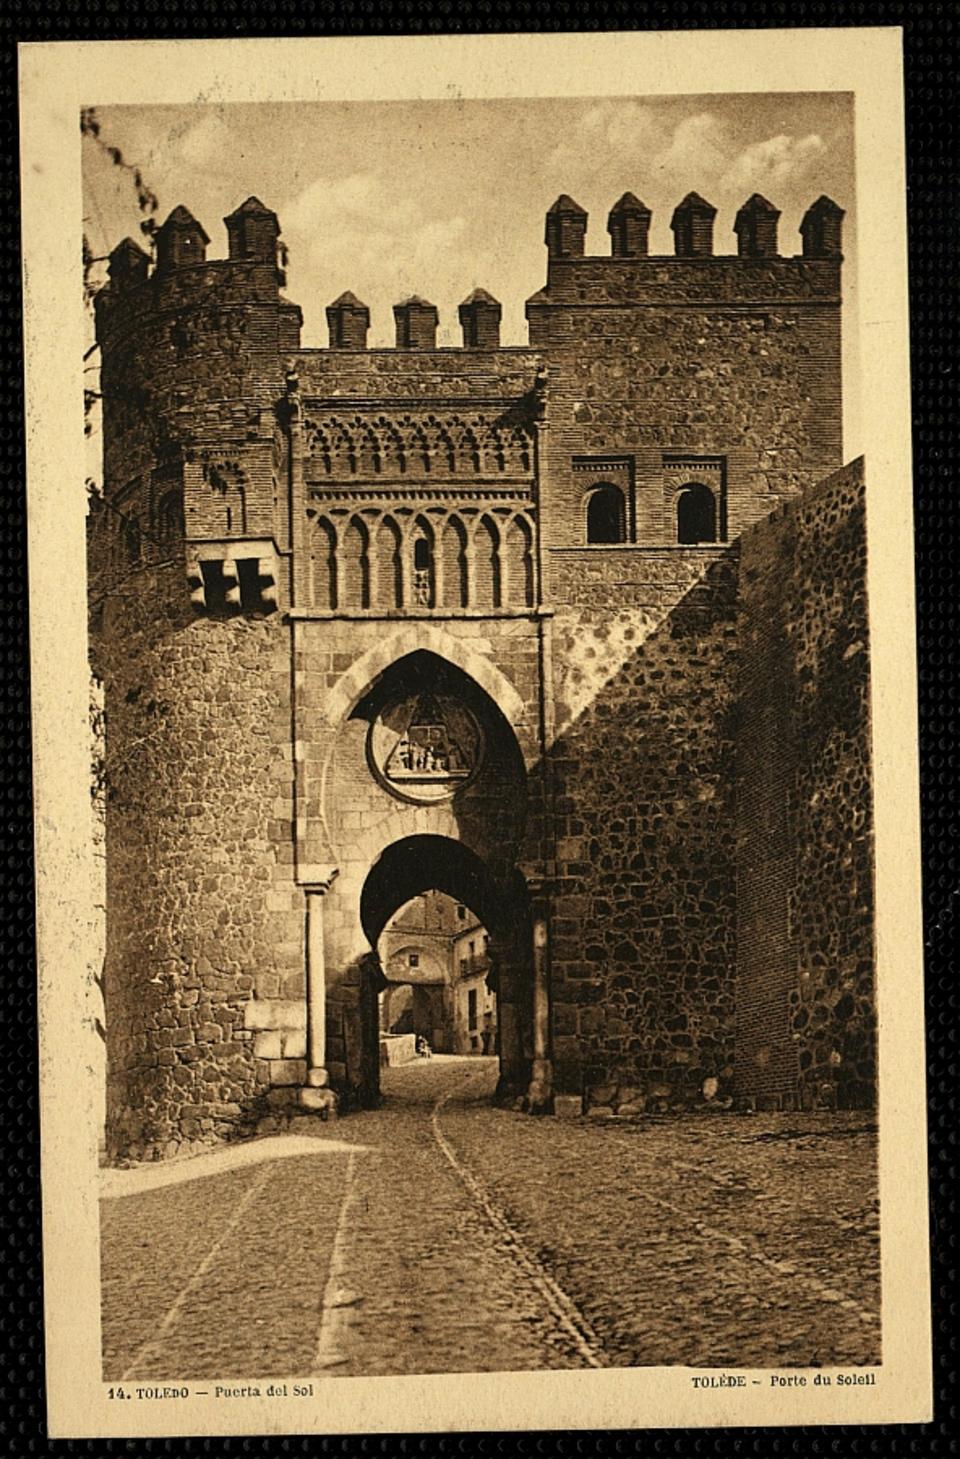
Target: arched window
(324,564)
(355,566)
(422,572)
(453,556)
(387,556)
(486,559)
(696,514)
(518,556)
(606,516)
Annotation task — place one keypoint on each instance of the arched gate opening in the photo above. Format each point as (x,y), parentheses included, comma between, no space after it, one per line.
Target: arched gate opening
(424,790)
(422,864)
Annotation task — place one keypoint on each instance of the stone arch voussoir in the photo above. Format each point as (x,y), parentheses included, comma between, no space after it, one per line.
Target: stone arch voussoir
(351,687)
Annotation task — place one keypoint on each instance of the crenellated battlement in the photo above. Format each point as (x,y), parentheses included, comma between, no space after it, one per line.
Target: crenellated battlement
(182,277)
(692,225)
(727,363)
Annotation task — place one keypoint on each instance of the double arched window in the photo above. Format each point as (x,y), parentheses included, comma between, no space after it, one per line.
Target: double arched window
(696,515)
(606,515)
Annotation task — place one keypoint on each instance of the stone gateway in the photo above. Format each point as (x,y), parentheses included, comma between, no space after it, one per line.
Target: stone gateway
(574,633)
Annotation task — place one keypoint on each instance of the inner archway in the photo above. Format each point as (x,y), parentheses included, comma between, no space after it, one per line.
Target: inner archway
(477,958)
(434,954)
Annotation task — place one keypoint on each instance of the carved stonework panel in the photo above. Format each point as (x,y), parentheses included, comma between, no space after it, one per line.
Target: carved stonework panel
(425,748)
(400,445)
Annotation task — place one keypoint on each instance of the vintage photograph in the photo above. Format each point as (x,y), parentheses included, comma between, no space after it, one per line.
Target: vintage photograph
(480,652)
(469,763)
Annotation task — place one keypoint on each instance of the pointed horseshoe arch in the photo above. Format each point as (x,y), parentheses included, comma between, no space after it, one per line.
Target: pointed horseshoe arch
(350,689)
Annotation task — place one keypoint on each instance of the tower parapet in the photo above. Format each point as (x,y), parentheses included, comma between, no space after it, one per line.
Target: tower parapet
(692,225)
(181,241)
(416,321)
(128,265)
(822,229)
(566,228)
(348,320)
(629,227)
(756,228)
(480,320)
(253,231)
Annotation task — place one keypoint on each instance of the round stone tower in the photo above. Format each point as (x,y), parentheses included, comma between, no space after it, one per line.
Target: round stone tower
(187,567)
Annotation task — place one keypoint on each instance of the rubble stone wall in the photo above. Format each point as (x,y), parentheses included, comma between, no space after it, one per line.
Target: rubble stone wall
(643,946)
(204,990)
(806,1013)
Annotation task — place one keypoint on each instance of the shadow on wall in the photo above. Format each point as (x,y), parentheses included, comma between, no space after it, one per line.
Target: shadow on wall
(713,907)
(641,779)
(711,912)
(706,803)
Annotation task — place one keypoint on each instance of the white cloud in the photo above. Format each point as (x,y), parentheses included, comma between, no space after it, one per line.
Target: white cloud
(700,152)
(209,139)
(613,130)
(358,196)
(697,151)
(777,160)
(356,233)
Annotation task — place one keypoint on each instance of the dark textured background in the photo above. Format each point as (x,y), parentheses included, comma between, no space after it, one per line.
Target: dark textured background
(931,81)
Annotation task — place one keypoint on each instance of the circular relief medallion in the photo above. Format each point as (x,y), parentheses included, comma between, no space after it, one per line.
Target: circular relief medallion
(425,748)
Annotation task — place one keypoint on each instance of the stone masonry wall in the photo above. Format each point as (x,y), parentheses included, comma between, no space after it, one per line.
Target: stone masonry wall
(205,960)
(191,373)
(728,358)
(806,1022)
(643,949)
(347,819)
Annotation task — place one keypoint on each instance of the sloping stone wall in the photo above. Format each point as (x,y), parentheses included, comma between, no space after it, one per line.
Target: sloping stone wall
(643,945)
(806,1021)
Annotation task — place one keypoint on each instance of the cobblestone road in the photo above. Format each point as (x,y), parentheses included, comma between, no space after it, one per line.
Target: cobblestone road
(439,1234)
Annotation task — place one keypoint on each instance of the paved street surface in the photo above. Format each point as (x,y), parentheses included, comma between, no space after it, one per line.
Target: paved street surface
(440,1234)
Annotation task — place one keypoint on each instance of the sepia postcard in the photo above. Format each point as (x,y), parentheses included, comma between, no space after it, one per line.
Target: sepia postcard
(475,733)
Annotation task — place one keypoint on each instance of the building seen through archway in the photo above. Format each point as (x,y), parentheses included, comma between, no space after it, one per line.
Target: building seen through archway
(435,957)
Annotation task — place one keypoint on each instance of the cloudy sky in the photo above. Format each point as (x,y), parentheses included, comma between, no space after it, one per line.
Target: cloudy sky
(437,197)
